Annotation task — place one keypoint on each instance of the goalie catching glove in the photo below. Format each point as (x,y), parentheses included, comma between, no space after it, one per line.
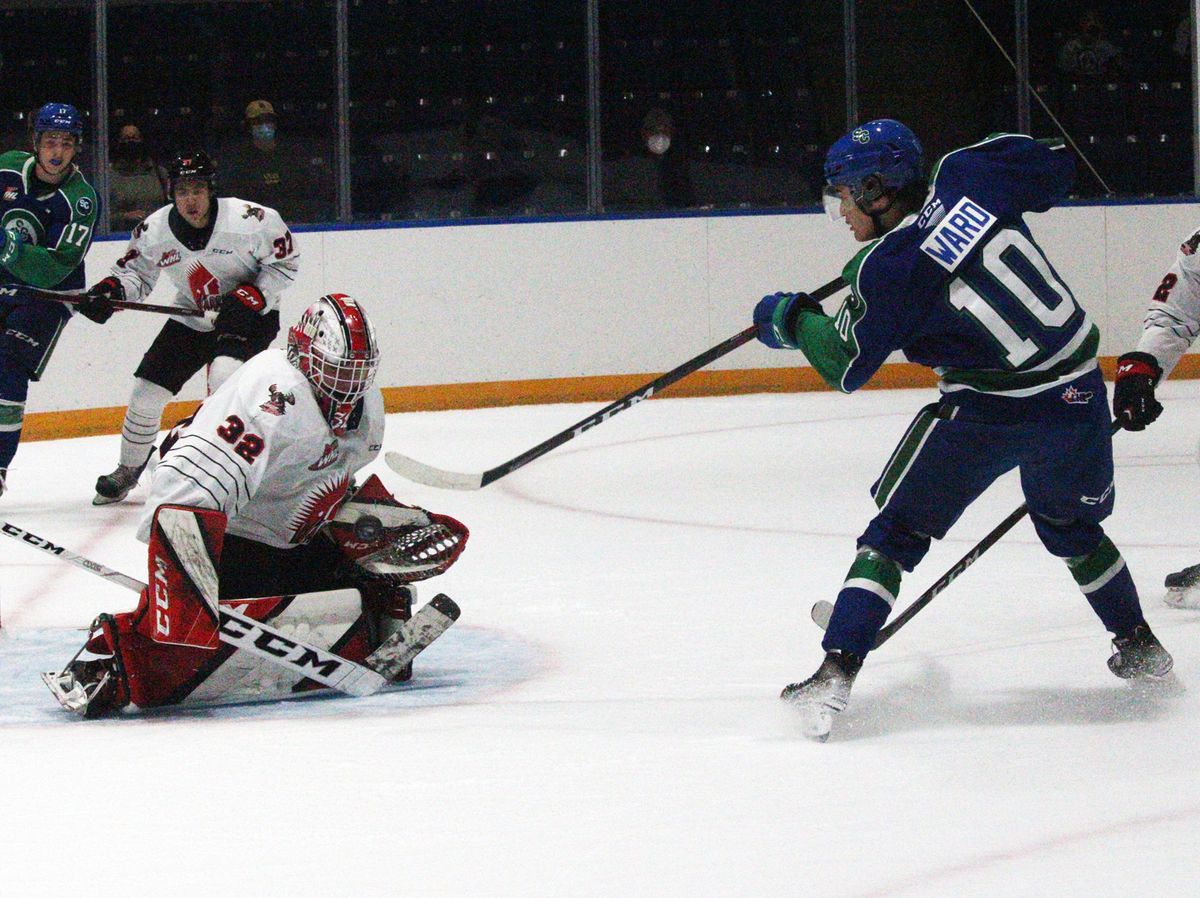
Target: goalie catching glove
(382,537)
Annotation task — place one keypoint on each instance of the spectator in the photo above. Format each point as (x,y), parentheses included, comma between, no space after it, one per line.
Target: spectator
(275,172)
(136,180)
(1088,55)
(674,182)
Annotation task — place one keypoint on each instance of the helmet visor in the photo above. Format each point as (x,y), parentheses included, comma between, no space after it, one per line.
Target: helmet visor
(832,201)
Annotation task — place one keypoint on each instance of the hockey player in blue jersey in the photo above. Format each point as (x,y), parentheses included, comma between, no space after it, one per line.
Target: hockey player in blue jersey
(47,217)
(952,277)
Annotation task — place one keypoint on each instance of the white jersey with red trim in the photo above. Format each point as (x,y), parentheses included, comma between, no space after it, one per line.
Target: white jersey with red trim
(1173,320)
(260,450)
(249,244)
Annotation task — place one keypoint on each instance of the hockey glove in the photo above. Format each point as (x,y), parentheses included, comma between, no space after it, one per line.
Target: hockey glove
(97,304)
(776,317)
(1134,405)
(10,251)
(239,315)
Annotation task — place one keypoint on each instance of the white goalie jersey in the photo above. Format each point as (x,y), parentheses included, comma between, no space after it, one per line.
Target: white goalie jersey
(1173,318)
(249,244)
(259,449)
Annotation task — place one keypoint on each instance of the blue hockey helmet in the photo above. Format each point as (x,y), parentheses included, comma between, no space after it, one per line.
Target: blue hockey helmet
(58,117)
(875,157)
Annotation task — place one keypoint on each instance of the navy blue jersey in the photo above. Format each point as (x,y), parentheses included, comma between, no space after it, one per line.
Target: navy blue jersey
(961,287)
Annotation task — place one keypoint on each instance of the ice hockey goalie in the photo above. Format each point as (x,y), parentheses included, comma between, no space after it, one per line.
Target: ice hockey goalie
(179,645)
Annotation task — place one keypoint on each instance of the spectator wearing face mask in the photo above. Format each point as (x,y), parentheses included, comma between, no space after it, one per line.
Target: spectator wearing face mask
(135,180)
(265,163)
(674,183)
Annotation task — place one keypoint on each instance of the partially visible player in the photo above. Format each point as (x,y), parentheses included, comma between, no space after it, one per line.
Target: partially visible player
(952,277)
(256,488)
(225,256)
(1171,325)
(48,214)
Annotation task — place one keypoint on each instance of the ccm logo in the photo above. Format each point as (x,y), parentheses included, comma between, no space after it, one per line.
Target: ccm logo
(162,599)
(280,646)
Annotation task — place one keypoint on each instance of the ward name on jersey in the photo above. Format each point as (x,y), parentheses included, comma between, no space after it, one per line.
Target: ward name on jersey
(56,224)
(249,244)
(260,450)
(961,286)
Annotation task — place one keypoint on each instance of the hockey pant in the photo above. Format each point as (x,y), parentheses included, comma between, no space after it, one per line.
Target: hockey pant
(29,331)
(944,462)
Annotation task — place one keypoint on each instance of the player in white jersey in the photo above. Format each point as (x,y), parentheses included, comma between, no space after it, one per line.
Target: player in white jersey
(275,449)
(1172,322)
(229,258)
(261,475)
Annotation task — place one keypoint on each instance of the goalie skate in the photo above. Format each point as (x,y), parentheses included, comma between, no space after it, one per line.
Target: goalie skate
(1183,588)
(824,694)
(94,685)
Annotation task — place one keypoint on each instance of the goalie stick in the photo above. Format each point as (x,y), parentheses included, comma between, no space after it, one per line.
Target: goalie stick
(261,639)
(822,611)
(418,472)
(74,299)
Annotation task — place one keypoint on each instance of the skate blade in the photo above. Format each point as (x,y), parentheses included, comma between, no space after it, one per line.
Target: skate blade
(104,500)
(1182,597)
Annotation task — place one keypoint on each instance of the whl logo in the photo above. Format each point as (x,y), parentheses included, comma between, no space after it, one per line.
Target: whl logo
(1075,396)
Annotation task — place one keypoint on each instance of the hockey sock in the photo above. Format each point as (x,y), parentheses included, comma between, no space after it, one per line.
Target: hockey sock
(142,421)
(863,604)
(1108,587)
(14,388)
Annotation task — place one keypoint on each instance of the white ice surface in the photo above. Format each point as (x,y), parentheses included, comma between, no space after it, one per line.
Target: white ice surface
(604,719)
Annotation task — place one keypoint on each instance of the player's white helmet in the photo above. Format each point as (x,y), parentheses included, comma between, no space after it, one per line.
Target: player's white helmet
(334,346)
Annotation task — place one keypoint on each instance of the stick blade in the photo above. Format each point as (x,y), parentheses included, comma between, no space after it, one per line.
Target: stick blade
(418,472)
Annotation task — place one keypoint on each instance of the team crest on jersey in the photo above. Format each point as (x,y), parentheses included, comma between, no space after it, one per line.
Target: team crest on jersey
(169,258)
(318,508)
(253,212)
(1188,247)
(331,454)
(278,402)
(83,205)
(1075,396)
(963,228)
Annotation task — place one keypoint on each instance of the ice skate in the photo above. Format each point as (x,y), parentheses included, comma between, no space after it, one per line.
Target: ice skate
(1139,654)
(93,682)
(1183,588)
(114,487)
(824,694)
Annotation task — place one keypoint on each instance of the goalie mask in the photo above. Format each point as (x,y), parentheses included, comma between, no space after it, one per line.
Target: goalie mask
(333,344)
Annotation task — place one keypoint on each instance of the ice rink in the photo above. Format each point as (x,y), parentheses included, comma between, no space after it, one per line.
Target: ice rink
(604,721)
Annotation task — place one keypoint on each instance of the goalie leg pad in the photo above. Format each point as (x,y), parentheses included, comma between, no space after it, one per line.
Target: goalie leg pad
(184,557)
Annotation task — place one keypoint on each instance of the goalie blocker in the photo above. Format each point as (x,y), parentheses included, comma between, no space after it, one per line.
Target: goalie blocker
(183,645)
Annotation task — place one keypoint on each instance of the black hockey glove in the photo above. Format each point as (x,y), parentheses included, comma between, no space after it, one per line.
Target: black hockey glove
(97,304)
(1134,405)
(239,315)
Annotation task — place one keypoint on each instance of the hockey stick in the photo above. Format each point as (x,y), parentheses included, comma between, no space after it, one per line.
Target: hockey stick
(419,472)
(822,611)
(261,639)
(74,299)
